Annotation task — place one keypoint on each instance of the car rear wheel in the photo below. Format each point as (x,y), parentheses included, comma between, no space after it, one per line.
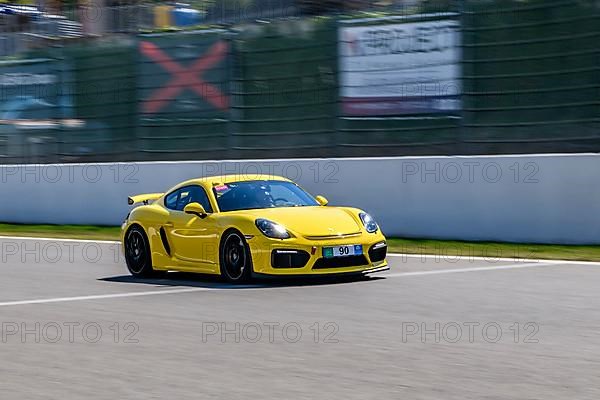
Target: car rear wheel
(137,254)
(235,259)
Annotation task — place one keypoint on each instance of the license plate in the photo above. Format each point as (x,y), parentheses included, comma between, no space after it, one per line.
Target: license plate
(343,251)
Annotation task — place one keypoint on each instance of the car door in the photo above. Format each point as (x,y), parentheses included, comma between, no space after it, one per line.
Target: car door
(193,240)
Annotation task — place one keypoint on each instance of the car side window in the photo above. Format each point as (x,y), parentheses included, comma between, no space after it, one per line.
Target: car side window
(171,200)
(180,198)
(184,199)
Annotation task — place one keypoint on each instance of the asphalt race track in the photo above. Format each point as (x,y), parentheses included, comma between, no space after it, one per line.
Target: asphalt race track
(75,326)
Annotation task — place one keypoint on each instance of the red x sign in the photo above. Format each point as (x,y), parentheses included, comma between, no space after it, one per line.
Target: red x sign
(185,77)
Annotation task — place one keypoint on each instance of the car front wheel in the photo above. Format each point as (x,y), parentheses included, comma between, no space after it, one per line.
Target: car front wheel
(235,259)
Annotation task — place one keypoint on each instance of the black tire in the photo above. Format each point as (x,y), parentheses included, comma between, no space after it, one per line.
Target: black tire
(235,259)
(138,255)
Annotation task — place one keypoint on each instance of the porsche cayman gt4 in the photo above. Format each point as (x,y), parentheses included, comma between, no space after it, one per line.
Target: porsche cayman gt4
(238,228)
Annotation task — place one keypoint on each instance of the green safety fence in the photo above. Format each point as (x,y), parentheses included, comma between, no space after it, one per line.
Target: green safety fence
(30,108)
(467,77)
(75,103)
(532,77)
(183,92)
(285,94)
(101,93)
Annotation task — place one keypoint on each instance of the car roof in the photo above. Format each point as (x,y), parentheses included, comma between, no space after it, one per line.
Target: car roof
(242,177)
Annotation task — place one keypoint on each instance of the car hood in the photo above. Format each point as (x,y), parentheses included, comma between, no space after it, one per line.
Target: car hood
(311,221)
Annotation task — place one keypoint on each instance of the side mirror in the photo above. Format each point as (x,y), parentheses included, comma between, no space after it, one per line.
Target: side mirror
(195,209)
(322,200)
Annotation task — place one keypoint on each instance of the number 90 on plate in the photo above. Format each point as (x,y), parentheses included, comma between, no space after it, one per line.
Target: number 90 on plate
(343,251)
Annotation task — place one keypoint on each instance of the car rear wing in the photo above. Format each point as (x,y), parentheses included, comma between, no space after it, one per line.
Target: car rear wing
(144,198)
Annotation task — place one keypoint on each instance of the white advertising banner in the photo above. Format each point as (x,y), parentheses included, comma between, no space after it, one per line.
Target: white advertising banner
(399,69)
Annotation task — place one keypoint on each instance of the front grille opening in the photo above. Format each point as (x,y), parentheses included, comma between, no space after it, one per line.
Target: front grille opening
(377,252)
(341,262)
(289,258)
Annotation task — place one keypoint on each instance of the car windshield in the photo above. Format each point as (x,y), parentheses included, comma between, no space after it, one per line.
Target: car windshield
(261,194)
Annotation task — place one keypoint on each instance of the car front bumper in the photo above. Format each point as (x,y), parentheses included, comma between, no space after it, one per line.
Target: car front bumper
(302,256)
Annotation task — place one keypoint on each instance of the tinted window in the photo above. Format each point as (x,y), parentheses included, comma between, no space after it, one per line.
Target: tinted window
(261,194)
(171,200)
(180,198)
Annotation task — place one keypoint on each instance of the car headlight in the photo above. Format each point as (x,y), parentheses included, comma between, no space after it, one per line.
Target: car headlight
(272,229)
(369,223)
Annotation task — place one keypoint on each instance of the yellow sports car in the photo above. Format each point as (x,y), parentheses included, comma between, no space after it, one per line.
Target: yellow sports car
(238,228)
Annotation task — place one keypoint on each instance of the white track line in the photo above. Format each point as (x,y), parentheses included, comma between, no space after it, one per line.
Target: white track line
(41,239)
(490,260)
(103,296)
(474,269)
(204,289)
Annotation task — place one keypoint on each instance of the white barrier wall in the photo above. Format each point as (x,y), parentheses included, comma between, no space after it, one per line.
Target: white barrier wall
(540,198)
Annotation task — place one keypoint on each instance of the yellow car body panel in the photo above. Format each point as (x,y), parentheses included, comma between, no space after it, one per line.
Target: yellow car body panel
(191,243)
